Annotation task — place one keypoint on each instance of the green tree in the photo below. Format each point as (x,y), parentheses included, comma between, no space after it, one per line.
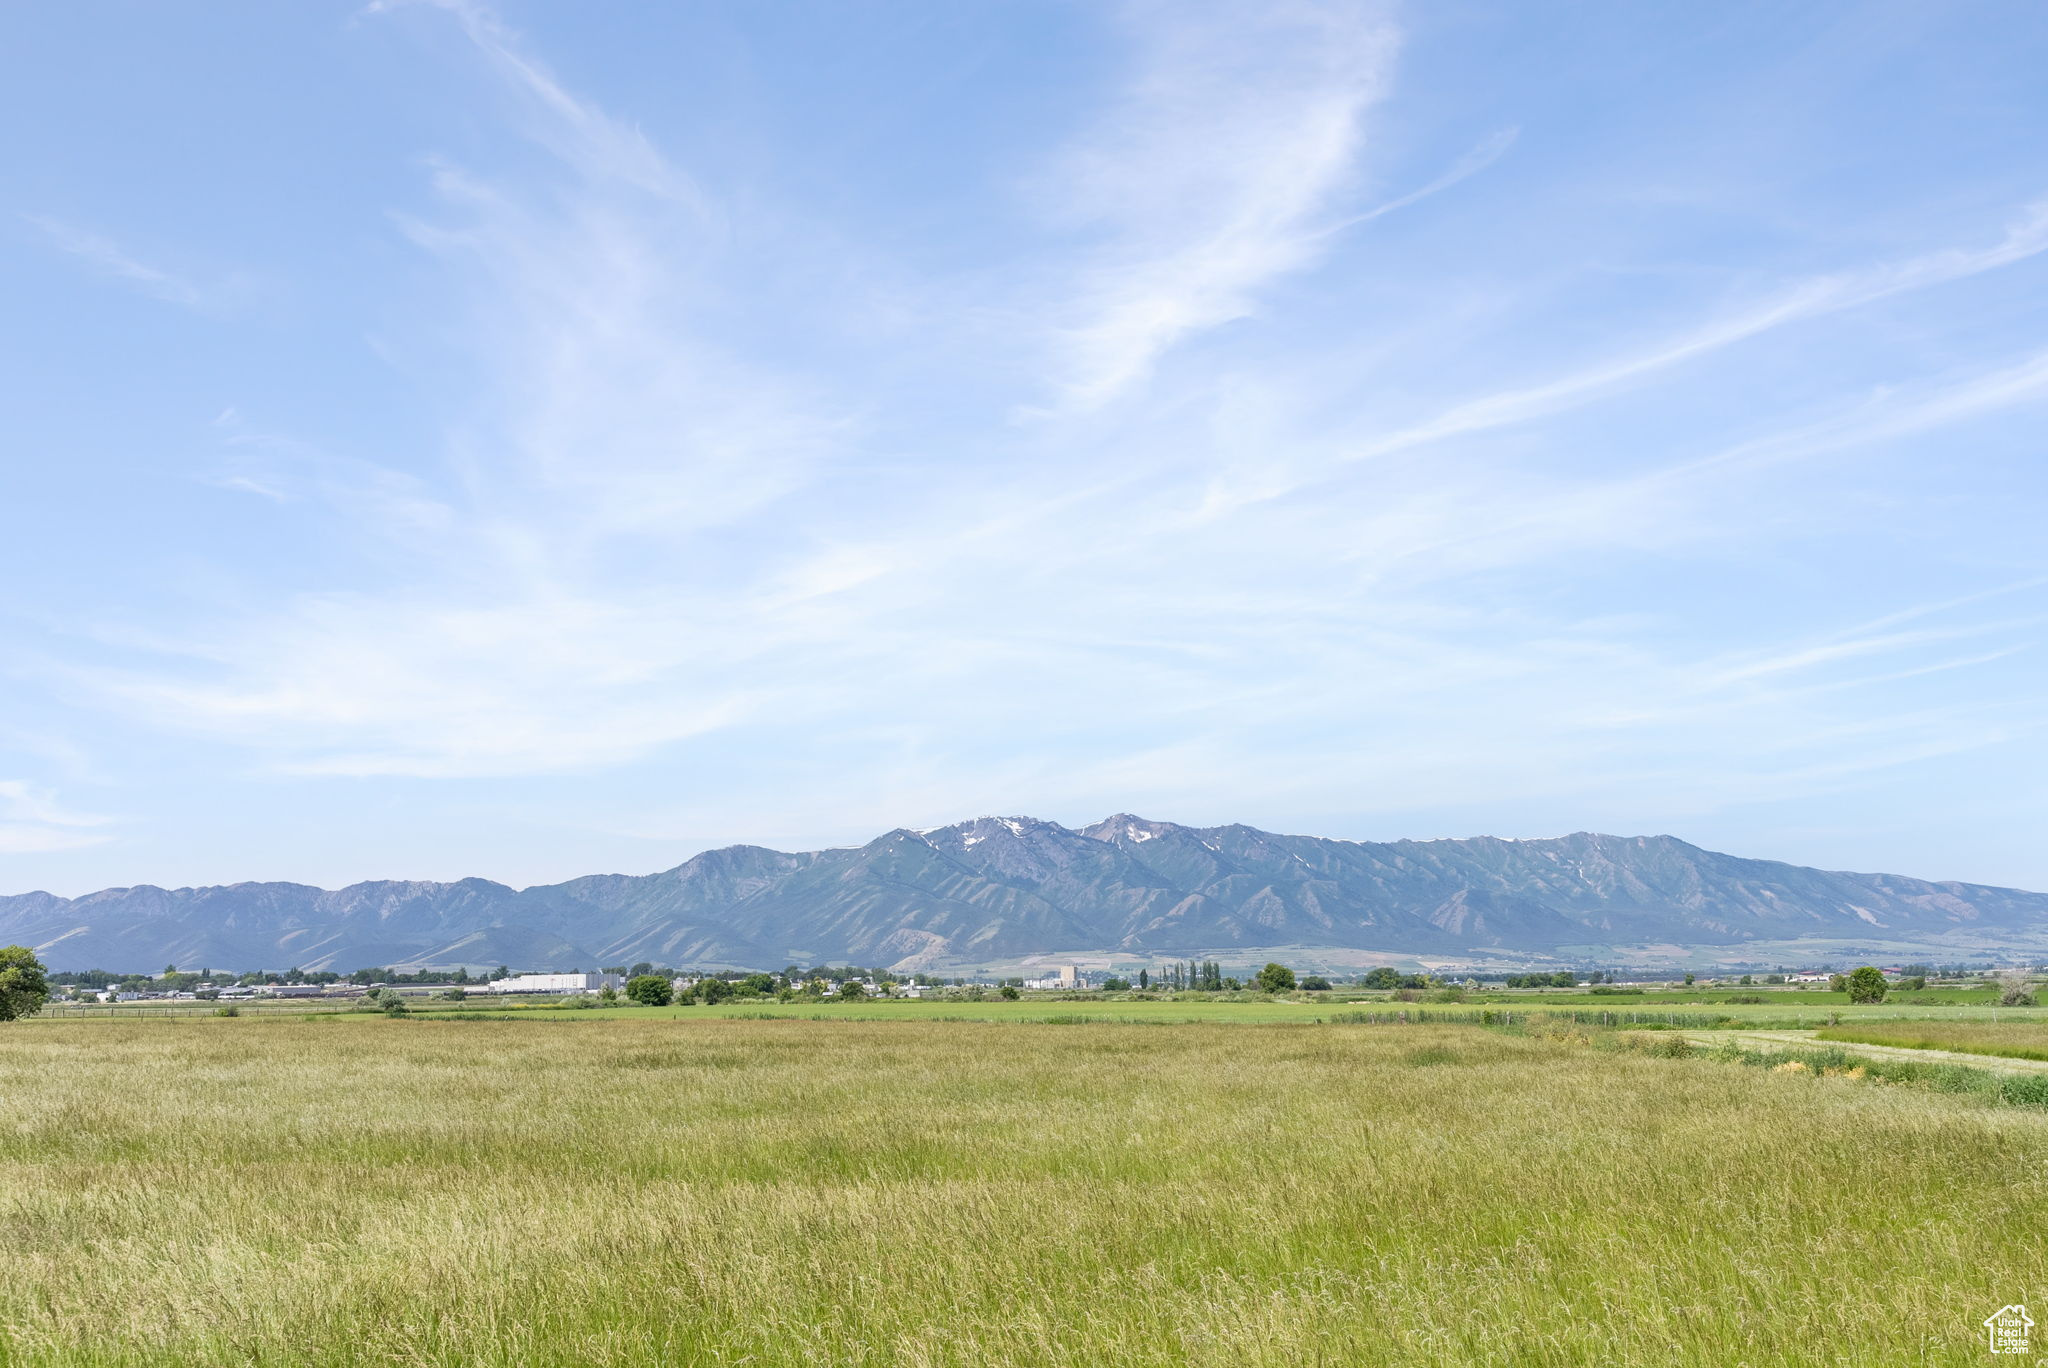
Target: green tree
(24,983)
(1010,994)
(1276,978)
(711,991)
(1382,977)
(1315,983)
(649,990)
(851,990)
(761,984)
(1688,980)
(1113,984)
(1867,984)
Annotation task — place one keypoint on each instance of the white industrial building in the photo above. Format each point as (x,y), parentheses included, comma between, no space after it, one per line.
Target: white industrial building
(1066,976)
(551,983)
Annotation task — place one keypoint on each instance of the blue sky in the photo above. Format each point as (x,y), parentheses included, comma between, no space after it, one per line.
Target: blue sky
(536,440)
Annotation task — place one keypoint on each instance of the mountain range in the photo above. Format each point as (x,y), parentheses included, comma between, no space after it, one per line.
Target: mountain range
(1004,890)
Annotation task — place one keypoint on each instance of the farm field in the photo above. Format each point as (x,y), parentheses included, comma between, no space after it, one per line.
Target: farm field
(2015,1040)
(1790,1010)
(342,1189)
(1256,1008)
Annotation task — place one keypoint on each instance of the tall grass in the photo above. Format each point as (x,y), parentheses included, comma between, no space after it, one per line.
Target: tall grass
(2024,1041)
(334,1191)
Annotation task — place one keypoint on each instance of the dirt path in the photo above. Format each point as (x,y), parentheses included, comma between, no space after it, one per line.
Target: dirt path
(1995,1063)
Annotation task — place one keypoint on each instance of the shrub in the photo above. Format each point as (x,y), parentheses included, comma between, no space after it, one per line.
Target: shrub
(650,990)
(1009,994)
(2014,991)
(1315,983)
(1276,978)
(230,1010)
(24,983)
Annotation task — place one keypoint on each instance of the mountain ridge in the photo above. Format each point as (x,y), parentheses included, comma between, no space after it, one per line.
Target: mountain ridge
(1006,889)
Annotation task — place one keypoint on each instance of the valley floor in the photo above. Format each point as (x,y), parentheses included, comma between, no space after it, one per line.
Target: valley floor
(342,1190)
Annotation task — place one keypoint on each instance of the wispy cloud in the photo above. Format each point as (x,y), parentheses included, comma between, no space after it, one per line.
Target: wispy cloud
(32,821)
(108,257)
(1208,180)
(1801,301)
(1490,150)
(578,131)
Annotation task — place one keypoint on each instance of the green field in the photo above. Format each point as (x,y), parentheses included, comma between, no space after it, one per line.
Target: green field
(2014,1040)
(1790,1009)
(577,1188)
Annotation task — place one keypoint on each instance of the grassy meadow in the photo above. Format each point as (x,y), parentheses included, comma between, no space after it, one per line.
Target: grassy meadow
(555,1190)
(2014,1040)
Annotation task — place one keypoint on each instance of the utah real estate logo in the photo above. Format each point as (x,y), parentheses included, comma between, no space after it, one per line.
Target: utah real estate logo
(2007,1328)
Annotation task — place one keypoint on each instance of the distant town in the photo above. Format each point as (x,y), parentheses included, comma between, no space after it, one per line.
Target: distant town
(652,984)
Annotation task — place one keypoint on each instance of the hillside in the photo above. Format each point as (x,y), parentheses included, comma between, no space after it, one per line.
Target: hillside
(998,890)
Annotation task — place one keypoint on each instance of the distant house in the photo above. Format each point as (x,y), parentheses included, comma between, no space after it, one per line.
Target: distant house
(1819,977)
(1066,976)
